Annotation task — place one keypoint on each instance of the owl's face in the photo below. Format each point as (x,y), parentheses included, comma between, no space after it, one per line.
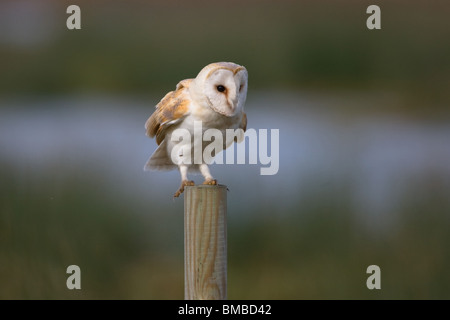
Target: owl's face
(222,87)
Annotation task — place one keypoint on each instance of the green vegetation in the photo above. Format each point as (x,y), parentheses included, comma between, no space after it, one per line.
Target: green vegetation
(138,48)
(319,249)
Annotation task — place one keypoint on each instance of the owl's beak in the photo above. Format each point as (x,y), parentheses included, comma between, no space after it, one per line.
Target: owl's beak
(232,99)
(231,104)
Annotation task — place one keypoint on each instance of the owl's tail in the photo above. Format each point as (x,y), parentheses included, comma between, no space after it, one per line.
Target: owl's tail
(160,159)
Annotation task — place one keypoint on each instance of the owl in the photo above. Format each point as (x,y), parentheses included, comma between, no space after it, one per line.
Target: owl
(215,99)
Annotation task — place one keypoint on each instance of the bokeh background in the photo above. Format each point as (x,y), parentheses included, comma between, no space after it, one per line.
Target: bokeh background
(364,120)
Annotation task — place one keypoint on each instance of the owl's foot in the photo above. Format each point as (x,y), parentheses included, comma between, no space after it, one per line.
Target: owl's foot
(184,183)
(211,182)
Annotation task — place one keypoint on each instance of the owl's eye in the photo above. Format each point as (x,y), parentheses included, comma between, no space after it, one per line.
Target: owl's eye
(241,87)
(221,88)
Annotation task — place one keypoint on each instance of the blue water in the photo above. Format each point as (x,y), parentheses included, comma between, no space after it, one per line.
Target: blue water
(383,161)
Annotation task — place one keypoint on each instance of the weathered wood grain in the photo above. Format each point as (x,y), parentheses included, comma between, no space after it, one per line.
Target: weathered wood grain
(205,242)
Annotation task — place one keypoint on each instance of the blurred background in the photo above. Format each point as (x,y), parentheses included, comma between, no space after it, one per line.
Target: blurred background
(364,120)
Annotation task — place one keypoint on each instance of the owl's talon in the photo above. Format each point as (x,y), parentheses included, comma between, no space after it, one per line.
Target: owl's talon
(184,183)
(211,182)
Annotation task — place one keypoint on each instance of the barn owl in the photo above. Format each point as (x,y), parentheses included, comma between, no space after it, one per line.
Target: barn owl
(215,98)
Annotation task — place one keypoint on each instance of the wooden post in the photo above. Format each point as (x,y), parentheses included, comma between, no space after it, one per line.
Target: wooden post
(205,242)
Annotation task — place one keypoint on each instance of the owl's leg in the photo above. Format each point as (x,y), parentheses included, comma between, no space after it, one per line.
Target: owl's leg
(184,180)
(205,172)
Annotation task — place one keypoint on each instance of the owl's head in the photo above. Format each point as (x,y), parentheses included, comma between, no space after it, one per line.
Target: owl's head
(221,86)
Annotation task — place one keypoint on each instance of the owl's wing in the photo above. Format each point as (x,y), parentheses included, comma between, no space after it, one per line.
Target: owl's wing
(239,137)
(243,124)
(169,111)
